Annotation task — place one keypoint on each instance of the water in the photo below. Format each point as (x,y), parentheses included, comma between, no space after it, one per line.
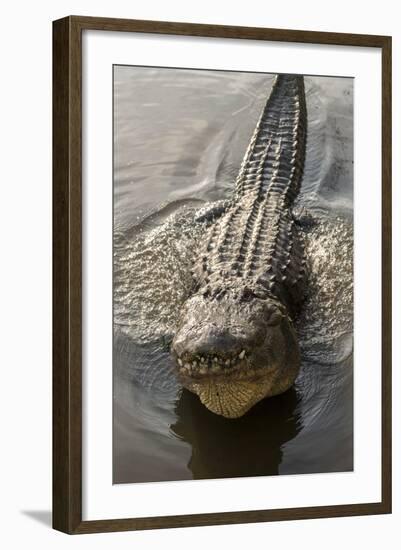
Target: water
(180,136)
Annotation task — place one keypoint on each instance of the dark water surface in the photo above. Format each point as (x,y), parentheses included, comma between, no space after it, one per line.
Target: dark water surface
(180,136)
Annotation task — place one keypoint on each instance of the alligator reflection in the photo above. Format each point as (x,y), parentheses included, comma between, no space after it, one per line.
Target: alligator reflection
(247,446)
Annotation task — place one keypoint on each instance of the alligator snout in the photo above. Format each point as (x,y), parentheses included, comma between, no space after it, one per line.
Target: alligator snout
(213,350)
(210,340)
(208,347)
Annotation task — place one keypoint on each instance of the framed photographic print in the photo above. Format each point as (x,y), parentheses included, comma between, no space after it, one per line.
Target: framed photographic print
(222,273)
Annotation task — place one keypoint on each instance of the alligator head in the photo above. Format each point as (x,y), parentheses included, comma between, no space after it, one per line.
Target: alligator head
(234,347)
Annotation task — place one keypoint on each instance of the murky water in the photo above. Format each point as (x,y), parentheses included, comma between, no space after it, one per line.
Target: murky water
(179,140)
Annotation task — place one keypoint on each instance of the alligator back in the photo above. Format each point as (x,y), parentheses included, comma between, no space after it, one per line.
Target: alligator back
(273,162)
(255,243)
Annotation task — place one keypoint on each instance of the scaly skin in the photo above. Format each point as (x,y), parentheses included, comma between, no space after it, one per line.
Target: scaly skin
(236,343)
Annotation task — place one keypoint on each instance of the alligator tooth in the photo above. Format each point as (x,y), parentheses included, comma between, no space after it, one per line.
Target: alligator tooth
(179,361)
(242,354)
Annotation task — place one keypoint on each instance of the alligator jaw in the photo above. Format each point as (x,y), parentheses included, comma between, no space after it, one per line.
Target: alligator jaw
(231,390)
(232,399)
(226,386)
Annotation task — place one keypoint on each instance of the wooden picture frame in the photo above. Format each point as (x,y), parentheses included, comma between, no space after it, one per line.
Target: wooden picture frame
(67,273)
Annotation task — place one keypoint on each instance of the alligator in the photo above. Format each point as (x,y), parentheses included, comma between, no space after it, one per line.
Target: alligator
(236,343)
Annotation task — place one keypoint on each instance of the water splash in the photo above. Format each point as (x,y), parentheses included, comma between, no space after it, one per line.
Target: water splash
(152,275)
(326,321)
(152,279)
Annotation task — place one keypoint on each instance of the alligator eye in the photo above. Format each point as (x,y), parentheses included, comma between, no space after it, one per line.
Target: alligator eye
(247,294)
